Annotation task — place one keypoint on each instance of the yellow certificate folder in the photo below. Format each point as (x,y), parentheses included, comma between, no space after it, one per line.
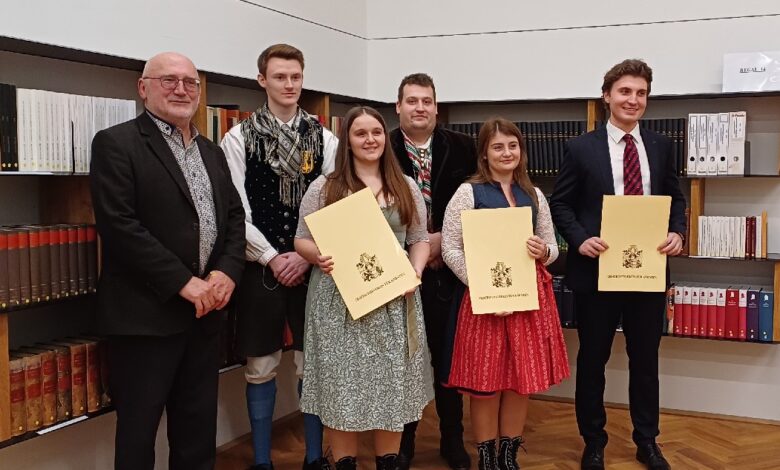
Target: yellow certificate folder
(633,227)
(370,267)
(501,273)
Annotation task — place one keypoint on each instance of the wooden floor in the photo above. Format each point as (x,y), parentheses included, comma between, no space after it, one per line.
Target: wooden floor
(553,443)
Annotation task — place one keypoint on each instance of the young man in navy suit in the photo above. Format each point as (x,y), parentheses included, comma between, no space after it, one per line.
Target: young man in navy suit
(618,158)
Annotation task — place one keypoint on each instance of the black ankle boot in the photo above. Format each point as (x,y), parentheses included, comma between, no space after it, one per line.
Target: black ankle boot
(507,452)
(487,455)
(386,462)
(346,463)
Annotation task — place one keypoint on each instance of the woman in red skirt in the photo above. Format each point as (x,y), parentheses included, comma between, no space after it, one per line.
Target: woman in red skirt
(500,359)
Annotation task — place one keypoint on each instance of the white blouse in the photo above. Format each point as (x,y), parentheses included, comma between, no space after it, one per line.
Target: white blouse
(452,231)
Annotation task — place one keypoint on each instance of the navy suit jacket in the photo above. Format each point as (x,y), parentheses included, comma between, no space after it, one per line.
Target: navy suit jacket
(585,177)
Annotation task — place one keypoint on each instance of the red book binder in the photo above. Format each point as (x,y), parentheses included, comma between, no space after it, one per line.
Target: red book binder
(720,314)
(703,311)
(712,305)
(678,306)
(732,313)
(742,315)
(694,324)
(686,316)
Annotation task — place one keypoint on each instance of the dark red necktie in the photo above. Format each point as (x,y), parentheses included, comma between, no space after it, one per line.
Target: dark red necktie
(632,175)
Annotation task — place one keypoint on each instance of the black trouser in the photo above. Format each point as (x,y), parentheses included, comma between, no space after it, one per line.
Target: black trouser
(436,291)
(598,315)
(177,373)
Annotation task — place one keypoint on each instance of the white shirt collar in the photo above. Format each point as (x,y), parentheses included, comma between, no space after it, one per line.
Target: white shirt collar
(290,123)
(616,134)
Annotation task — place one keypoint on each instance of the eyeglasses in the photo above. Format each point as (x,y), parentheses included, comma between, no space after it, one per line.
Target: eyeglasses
(170,83)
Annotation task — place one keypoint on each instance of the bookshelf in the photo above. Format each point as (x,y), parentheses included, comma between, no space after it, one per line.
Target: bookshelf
(51,197)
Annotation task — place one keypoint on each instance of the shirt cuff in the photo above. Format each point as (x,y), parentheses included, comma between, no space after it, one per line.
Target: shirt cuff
(267,257)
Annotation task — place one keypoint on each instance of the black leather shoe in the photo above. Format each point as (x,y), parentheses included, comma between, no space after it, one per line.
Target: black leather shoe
(650,455)
(592,458)
(403,462)
(452,450)
(318,464)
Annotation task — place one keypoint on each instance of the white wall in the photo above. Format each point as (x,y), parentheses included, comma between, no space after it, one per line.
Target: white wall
(404,18)
(349,16)
(224,36)
(566,63)
(363,49)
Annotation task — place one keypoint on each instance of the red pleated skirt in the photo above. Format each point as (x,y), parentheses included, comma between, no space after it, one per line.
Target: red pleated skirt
(523,352)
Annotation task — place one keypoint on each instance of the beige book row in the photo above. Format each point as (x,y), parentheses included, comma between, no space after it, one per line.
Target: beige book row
(55,130)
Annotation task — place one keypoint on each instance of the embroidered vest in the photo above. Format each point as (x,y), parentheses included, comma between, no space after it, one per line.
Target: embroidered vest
(274,220)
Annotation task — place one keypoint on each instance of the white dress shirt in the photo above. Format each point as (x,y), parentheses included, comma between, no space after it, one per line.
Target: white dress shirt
(257,247)
(616,148)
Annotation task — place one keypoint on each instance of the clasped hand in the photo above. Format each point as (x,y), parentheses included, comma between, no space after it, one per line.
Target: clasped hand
(289,268)
(213,293)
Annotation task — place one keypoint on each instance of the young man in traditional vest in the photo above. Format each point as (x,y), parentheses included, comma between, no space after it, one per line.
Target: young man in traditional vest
(439,160)
(273,157)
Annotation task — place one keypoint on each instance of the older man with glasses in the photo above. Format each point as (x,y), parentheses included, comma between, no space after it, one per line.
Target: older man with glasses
(172,226)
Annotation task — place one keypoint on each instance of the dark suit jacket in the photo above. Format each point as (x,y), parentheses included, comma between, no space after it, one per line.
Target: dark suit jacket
(585,177)
(149,229)
(454,161)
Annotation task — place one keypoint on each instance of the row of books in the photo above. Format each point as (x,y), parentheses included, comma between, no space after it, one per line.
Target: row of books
(43,262)
(717,143)
(52,132)
(335,124)
(56,381)
(737,313)
(221,118)
(733,237)
(544,142)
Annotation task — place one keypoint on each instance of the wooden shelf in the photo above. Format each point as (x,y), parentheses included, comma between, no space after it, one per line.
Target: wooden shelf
(71,422)
(697,338)
(771,257)
(45,303)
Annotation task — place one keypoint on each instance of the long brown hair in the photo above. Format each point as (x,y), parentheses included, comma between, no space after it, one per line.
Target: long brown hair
(489,129)
(344,181)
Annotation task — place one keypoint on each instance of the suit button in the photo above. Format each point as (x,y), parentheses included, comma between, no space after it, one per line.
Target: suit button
(195,226)
(195,266)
